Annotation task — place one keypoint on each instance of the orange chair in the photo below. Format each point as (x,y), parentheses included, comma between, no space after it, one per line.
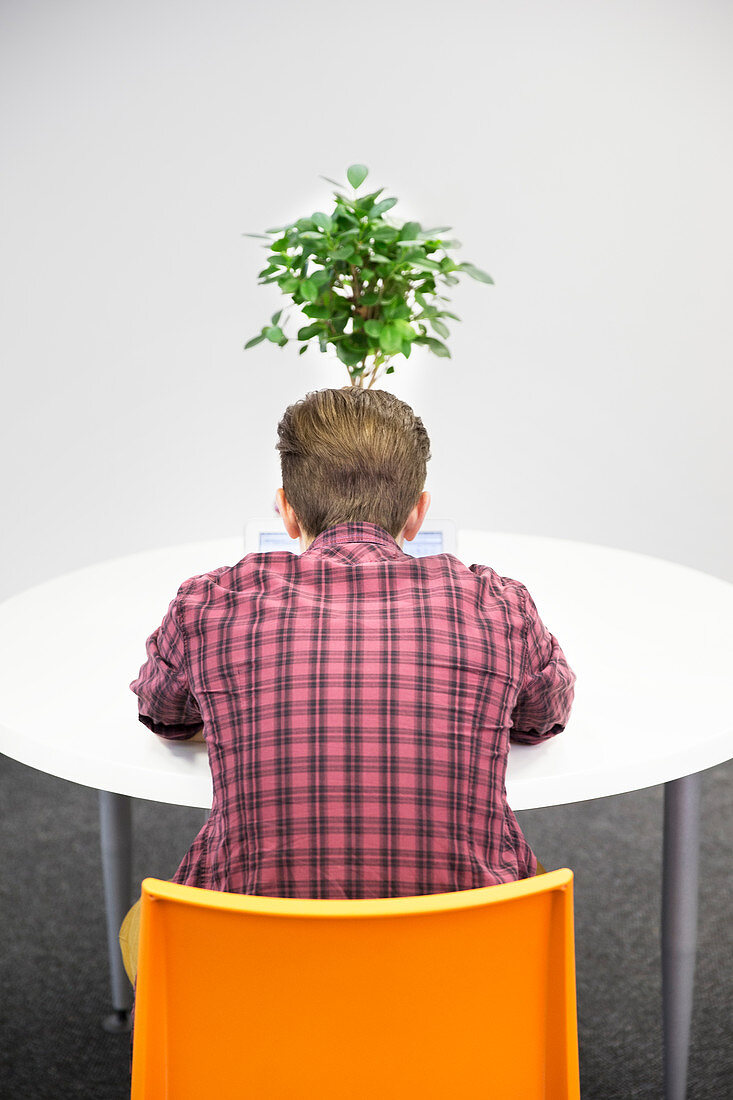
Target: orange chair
(445,996)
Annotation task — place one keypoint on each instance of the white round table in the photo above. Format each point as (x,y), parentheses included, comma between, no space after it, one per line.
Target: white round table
(650,642)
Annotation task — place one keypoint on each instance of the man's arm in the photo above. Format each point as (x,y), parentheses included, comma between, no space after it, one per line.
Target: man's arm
(165,703)
(546,693)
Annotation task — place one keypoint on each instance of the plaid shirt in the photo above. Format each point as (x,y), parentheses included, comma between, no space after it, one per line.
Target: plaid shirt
(357,704)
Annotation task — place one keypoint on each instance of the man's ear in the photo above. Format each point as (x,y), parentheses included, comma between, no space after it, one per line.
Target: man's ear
(416,517)
(289,518)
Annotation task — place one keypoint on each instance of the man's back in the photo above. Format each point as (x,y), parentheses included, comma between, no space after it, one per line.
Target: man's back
(357,704)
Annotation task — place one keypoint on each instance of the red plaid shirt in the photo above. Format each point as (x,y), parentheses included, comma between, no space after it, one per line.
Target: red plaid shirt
(357,704)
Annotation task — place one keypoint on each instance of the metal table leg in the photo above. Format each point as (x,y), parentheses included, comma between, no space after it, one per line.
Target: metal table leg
(115,819)
(679,926)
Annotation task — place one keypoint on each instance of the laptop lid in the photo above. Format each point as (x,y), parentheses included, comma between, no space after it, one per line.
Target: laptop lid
(436,536)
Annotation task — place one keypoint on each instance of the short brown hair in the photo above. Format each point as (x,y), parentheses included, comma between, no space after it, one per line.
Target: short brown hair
(351,455)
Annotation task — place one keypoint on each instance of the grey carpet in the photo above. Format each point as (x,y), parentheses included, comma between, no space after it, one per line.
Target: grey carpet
(53,972)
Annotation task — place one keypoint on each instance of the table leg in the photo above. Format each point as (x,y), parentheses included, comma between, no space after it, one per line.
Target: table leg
(115,820)
(679,926)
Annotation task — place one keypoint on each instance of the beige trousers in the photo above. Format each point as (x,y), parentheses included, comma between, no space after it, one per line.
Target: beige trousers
(130,940)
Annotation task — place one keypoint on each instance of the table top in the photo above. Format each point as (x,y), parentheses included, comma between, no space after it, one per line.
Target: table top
(650,641)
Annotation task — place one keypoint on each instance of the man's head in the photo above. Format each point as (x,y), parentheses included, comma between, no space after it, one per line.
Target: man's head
(350,455)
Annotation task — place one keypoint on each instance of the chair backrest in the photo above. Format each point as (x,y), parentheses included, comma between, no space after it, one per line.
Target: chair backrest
(467,994)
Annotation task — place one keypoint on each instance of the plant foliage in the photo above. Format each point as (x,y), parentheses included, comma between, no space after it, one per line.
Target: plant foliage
(364,284)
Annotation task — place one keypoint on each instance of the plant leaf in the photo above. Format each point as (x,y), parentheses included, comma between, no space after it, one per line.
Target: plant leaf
(475,273)
(409,231)
(275,334)
(440,328)
(259,236)
(349,356)
(255,340)
(436,346)
(323,221)
(304,348)
(356,174)
(400,311)
(309,331)
(276,317)
(390,339)
(405,330)
(309,290)
(373,328)
(316,312)
(347,216)
(383,206)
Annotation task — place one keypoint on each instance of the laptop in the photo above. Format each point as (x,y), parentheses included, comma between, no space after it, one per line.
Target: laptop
(436,536)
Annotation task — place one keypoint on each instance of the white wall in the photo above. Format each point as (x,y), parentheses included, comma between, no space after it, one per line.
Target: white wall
(581,151)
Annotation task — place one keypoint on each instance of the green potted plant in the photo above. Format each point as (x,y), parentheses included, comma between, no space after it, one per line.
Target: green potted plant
(366,286)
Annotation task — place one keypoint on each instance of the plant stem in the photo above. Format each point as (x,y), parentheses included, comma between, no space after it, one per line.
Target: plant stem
(378,362)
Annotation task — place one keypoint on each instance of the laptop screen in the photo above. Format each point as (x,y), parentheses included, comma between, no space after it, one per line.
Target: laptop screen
(425,542)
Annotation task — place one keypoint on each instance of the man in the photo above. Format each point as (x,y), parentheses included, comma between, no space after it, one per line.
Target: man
(357,703)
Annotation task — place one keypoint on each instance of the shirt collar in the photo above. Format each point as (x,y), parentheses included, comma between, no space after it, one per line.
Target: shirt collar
(353,532)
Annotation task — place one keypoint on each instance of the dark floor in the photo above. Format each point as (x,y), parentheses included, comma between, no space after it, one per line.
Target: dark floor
(53,972)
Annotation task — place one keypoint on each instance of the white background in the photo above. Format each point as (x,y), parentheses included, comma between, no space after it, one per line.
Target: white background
(580,150)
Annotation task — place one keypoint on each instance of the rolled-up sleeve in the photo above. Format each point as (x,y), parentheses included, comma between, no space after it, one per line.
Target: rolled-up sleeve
(165,702)
(546,693)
